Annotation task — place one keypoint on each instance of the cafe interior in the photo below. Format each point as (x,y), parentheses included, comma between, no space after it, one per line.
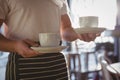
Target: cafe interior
(94,60)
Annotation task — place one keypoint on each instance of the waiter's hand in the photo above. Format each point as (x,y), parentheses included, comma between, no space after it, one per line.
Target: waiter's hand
(88,36)
(22,47)
(68,33)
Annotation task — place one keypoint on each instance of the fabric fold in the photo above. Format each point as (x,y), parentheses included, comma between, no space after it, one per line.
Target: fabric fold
(59,2)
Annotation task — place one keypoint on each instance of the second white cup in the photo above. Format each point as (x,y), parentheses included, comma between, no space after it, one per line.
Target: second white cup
(49,39)
(88,21)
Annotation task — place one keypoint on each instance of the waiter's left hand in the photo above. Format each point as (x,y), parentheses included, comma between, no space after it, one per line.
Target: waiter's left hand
(88,36)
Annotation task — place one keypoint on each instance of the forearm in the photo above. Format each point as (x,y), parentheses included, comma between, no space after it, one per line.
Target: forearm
(67,31)
(6,44)
(69,34)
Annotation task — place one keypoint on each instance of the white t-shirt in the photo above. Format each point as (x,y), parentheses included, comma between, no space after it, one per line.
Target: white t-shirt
(27,18)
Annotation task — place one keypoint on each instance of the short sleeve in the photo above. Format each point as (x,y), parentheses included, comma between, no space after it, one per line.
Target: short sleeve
(64,9)
(3,9)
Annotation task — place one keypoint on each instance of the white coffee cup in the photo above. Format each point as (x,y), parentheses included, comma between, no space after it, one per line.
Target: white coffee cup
(88,21)
(49,39)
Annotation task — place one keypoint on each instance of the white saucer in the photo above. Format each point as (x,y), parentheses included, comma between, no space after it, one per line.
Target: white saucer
(89,30)
(49,49)
(114,33)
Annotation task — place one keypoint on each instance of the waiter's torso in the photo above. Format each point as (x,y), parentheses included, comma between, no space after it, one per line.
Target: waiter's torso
(27,18)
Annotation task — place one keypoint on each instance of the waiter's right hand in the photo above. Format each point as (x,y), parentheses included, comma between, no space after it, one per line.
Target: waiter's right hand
(22,47)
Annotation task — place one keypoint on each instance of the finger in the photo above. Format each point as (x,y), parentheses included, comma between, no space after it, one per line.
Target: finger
(31,43)
(80,37)
(98,34)
(38,53)
(86,37)
(92,36)
(33,52)
(27,52)
(83,37)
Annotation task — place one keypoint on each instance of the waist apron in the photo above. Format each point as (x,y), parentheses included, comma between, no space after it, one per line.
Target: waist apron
(50,66)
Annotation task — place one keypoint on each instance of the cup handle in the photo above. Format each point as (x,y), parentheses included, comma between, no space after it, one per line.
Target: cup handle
(60,42)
